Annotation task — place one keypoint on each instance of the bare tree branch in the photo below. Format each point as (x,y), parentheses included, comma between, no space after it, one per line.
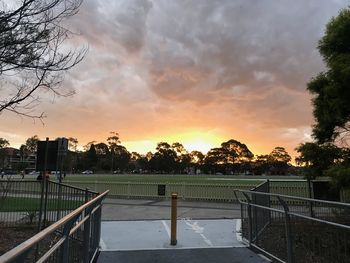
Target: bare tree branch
(32,40)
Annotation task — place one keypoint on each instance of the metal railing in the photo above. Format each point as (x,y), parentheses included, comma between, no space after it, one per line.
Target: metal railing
(38,202)
(295,229)
(73,238)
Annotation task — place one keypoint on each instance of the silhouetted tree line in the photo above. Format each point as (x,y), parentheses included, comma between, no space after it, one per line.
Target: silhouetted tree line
(232,157)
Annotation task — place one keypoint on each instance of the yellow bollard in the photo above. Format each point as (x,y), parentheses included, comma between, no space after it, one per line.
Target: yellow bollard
(173,240)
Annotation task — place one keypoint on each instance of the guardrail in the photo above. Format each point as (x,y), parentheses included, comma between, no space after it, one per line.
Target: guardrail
(295,229)
(29,201)
(73,238)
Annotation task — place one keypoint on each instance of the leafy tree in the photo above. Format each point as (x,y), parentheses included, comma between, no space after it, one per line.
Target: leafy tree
(318,158)
(197,157)
(113,142)
(3,144)
(215,160)
(33,57)
(122,157)
(164,159)
(238,152)
(87,146)
(91,157)
(102,149)
(279,154)
(31,144)
(261,164)
(183,159)
(73,143)
(331,88)
(278,161)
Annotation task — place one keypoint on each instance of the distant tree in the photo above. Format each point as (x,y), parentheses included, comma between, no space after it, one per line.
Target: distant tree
(331,88)
(197,160)
(31,144)
(183,159)
(122,157)
(318,158)
(279,154)
(261,164)
(113,142)
(33,57)
(215,160)
(164,159)
(91,157)
(3,144)
(87,146)
(197,157)
(73,143)
(279,160)
(102,149)
(238,152)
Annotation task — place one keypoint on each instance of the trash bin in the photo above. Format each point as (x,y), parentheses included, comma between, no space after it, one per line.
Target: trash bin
(161,189)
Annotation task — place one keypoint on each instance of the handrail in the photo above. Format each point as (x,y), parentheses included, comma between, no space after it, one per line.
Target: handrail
(295,197)
(23,247)
(73,187)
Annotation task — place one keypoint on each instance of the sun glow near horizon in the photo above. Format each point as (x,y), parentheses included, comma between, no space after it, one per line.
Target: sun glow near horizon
(192,141)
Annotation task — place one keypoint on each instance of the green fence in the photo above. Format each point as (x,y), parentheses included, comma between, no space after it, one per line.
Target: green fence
(189,191)
(345,195)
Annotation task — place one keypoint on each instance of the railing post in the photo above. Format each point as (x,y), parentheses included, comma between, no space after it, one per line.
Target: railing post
(64,257)
(250,221)
(87,235)
(289,240)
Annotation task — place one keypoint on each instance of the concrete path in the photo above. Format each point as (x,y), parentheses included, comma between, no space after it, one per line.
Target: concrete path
(146,235)
(203,241)
(138,231)
(128,209)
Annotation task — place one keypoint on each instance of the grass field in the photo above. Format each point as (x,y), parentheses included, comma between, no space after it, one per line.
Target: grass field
(15,204)
(162,179)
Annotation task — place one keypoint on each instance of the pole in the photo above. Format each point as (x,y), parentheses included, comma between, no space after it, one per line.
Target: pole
(173,240)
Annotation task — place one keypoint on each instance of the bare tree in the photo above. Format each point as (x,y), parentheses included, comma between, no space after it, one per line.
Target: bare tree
(33,52)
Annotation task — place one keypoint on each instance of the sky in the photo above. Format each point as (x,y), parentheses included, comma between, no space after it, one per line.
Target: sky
(196,72)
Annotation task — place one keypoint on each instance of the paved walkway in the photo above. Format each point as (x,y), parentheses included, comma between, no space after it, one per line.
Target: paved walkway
(138,231)
(155,234)
(128,209)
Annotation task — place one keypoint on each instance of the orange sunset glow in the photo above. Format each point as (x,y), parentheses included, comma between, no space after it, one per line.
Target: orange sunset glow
(195,72)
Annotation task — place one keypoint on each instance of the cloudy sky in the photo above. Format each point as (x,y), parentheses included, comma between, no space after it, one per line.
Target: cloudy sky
(198,72)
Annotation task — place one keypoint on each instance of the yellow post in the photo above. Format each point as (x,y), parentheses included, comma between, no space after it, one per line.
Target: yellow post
(173,240)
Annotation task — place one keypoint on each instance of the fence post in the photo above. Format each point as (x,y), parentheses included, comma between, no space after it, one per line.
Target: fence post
(250,221)
(129,190)
(45,201)
(289,240)
(310,196)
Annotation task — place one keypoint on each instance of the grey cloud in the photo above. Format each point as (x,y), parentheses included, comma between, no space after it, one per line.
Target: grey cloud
(244,54)
(258,44)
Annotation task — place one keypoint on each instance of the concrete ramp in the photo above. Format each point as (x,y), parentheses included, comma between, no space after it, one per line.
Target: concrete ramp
(217,241)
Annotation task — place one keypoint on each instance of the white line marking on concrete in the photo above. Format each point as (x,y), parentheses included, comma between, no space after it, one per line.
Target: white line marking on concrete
(239,230)
(199,230)
(166,227)
(103,245)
